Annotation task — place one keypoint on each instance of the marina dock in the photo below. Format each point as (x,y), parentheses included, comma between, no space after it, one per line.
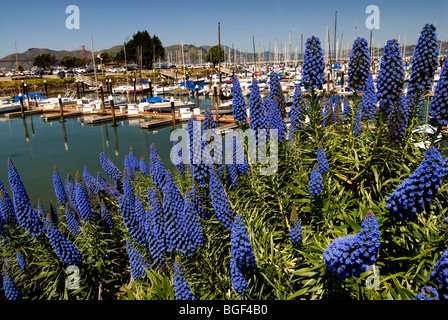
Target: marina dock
(57,116)
(18,114)
(156,123)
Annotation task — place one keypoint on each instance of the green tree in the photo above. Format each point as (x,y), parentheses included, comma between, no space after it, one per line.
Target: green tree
(44,60)
(149,45)
(106,57)
(71,62)
(215,55)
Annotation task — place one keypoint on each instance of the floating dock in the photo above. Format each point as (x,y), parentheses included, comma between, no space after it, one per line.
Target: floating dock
(157,123)
(18,114)
(57,116)
(107,118)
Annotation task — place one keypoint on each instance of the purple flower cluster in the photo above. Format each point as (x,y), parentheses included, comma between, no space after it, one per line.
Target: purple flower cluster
(155,229)
(138,263)
(424,64)
(12,292)
(242,258)
(316,184)
(198,168)
(350,256)
(109,167)
(358,65)
(20,260)
(397,121)
(238,103)
(415,193)
(220,202)
(90,181)
(369,99)
(144,167)
(25,213)
(428,293)
(156,169)
(65,250)
(59,186)
(126,203)
(276,118)
(82,199)
(199,202)
(295,228)
(6,206)
(72,222)
(313,64)
(180,167)
(106,217)
(276,94)
(390,76)
(105,187)
(182,290)
(257,109)
(439,104)
(327,113)
(322,162)
(133,162)
(297,112)
(440,274)
(129,169)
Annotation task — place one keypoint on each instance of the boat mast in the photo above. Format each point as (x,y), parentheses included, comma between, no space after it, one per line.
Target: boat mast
(125,63)
(94,67)
(219,58)
(17,65)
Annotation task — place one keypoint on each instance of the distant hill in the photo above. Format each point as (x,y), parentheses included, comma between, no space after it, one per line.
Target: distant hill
(191,53)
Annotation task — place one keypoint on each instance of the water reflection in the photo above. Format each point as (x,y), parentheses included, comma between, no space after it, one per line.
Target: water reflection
(64,133)
(27,137)
(32,125)
(116,140)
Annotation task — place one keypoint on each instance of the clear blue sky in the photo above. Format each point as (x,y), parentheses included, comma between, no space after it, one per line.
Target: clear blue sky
(41,24)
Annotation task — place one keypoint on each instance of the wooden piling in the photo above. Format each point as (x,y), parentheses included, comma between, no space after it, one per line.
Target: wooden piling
(150,88)
(103,105)
(21,106)
(61,108)
(173,114)
(216,104)
(46,89)
(197,96)
(27,95)
(110,86)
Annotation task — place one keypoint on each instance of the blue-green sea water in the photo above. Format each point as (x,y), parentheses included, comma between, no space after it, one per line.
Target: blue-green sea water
(35,146)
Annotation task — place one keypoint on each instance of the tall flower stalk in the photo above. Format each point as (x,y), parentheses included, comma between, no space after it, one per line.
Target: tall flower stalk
(238,103)
(313,64)
(350,256)
(358,65)
(415,193)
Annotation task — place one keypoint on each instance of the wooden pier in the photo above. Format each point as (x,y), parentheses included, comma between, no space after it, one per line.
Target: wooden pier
(107,118)
(156,123)
(18,114)
(224,128)
(57,116)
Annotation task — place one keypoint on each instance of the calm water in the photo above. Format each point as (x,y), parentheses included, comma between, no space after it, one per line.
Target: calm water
(36,146)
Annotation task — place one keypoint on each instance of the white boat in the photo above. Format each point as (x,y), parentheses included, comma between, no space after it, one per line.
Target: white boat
(122,89)
(223,108)
(157,104)
(69,98)
(6,107)
(164,89)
